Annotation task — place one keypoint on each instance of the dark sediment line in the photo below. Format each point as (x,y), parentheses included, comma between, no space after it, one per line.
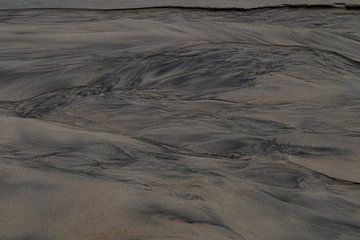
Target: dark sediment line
(213,9)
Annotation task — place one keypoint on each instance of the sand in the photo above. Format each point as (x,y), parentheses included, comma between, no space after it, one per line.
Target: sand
(179,124)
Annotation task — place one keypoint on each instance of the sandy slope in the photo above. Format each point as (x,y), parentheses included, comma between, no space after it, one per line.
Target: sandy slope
(179,124)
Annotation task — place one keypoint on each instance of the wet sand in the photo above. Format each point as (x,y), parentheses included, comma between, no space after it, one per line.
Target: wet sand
(180,124)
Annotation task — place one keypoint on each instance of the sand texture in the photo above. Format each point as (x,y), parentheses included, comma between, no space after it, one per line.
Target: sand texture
(180,124)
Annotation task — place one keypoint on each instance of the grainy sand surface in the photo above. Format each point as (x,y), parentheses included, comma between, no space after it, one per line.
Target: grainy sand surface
(164,124)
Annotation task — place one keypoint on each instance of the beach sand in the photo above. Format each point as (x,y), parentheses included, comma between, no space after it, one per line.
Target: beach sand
(180,124)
